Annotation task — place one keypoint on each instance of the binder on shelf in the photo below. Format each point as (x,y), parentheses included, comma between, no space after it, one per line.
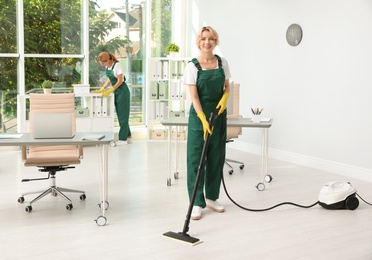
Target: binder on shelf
(174,70)
(152,112)
(94,111)
(163,111)
(181,91)
(104,107)
(181,68)
(153,70)
(175,90)
(163,90)
(159,70)
(165,69)
(154,90)
(97,106)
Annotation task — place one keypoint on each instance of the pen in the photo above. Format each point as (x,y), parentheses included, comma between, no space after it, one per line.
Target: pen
(252,111)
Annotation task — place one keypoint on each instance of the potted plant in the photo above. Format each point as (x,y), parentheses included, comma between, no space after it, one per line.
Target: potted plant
(47,86)
(172,49)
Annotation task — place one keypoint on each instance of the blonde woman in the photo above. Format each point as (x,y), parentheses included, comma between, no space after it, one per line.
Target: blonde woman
(208,79)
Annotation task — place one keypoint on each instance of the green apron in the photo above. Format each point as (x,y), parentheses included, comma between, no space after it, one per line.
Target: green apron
(122,104)
(210,86)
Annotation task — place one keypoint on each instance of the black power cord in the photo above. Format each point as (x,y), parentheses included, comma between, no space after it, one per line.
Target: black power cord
(266,209)
(363,199)
(223,128)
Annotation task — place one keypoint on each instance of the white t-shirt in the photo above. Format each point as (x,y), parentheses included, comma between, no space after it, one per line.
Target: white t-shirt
(191,72)
(117,69)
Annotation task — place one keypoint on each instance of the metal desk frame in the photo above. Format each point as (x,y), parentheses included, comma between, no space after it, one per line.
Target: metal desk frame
(231,122)
(27,140)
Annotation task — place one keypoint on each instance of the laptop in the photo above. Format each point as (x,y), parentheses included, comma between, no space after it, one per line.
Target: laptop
(52,125)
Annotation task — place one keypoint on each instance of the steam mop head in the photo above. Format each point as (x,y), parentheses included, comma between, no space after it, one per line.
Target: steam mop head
(338,195)
(182,237)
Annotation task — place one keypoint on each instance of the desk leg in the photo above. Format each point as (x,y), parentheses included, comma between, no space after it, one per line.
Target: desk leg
(177,153)
(169,180)
(264,159)
(265,155)
(101,220)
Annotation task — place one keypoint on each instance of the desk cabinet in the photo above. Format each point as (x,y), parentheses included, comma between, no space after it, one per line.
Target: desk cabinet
(93,113)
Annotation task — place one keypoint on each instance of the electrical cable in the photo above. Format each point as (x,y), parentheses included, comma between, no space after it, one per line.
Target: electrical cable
(224,128)
(363,199)
(264,209)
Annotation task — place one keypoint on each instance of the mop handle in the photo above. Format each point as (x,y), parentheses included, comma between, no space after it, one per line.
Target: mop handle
(212,117)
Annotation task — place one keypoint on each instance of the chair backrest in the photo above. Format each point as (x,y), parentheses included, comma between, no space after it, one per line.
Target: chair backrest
(53,103)
(233,132)
(52,155)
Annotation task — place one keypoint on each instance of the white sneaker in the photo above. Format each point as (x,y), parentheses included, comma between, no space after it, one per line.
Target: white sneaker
(129,140)
(196,213)
(120,142)
(215,206)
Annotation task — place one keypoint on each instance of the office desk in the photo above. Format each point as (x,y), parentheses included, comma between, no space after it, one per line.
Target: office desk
(231,122)
(28,140)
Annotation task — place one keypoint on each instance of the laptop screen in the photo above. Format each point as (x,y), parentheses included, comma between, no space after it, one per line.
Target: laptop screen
(52,125)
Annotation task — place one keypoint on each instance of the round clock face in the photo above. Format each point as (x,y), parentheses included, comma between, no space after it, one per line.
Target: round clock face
(294,34)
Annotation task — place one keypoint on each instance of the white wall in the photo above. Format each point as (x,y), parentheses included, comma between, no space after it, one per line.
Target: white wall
(319,93)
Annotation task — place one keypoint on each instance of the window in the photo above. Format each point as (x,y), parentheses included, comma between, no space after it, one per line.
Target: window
(52,45)
(124,37)
(8,66)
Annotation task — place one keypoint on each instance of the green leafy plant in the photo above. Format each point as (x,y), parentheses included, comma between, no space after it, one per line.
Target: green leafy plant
(173,48)
(47,84)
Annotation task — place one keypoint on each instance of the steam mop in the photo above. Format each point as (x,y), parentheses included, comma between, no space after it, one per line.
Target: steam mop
(338,195)
(183,236)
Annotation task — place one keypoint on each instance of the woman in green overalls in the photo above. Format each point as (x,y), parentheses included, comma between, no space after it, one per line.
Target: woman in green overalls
(208,81)
(116,78)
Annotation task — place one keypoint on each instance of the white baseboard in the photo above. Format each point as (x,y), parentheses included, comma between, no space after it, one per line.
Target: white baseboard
(308,161)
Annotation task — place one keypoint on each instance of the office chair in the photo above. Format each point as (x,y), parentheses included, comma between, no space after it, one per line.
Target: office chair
(52,159)
(233,132)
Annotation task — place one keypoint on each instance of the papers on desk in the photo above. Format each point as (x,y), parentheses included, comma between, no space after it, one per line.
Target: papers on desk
(263,119)
(10,136)
(93,137)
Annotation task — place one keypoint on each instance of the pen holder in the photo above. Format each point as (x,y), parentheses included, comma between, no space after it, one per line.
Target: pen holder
(256,118)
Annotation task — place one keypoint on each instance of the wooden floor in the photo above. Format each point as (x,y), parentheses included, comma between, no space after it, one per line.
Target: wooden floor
(142,208)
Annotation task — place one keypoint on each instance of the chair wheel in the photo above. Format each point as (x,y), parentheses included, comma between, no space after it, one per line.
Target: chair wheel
(28,209)
(241,167)
(268,178)
(106,203)
(101,221)
(231,172)
(83,197)
(260,186)
(21,199)
(69,206)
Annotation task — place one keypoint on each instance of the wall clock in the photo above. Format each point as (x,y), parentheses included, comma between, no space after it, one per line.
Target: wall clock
(294,34)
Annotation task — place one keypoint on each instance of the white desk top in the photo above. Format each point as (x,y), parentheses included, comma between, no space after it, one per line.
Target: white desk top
(234,122)
(27,139)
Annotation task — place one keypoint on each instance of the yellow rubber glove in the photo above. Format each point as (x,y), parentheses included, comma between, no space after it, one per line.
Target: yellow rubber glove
(205,123)
(99,90)
(108,92)
(223,102)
